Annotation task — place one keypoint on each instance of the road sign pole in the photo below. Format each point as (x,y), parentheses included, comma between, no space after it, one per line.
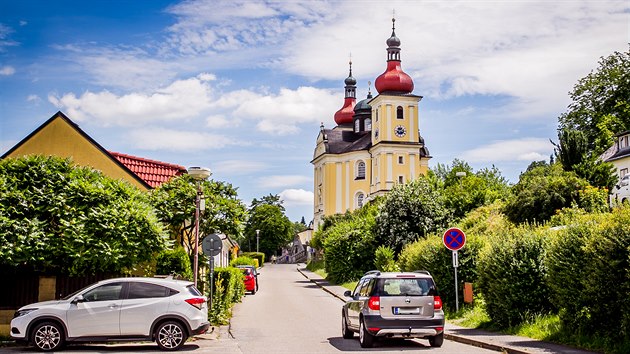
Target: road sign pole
(211,274)
(455,264)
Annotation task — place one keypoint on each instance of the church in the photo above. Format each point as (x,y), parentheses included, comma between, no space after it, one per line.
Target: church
(375,144)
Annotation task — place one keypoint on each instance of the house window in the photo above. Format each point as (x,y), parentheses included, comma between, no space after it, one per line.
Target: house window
(399,113)
(623,172)
(623,142)
(360,198)
(401,160)
(360,170)
(368,124)
(401,179)
(357,125)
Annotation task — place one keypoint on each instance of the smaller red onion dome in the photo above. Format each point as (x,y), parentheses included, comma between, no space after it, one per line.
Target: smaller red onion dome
(344,115)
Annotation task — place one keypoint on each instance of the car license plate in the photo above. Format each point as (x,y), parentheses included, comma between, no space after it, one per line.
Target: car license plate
(406,310)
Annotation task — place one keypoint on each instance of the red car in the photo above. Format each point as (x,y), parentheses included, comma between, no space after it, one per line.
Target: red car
(249,278)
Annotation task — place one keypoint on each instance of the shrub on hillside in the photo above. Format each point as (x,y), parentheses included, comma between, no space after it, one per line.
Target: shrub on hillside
(174,262)
(409,212)
(242,260)
(431,254)
(255,255)
(349,246)
(384,260)
(589,274)
(512,276)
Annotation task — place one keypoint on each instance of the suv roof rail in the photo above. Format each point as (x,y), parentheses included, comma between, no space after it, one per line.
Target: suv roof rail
(422,272)
(377,272)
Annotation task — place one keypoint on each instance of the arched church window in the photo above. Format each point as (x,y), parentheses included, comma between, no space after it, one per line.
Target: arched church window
(368,124)
(399,112)
(360,198)
(357,125)
(360,170)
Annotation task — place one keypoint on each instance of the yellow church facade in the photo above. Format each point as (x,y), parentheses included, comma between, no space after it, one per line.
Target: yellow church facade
(375,145)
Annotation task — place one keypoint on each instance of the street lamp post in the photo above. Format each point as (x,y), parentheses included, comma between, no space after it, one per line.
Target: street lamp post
(199,174)
(257,239)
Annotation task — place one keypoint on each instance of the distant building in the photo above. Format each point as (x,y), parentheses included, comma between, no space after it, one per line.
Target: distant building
(619,155)
(59,136)
(375,145)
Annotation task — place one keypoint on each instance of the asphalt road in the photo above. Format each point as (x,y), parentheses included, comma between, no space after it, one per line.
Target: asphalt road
(289,314)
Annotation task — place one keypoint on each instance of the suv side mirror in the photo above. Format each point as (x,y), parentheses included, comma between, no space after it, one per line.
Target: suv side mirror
(77,299)
(347,293)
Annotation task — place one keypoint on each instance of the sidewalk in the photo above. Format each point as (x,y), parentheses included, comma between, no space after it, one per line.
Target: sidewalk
(476,337)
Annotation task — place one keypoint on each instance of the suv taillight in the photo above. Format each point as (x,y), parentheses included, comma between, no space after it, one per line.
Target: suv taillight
(374,303)
(196,301)
(437,303)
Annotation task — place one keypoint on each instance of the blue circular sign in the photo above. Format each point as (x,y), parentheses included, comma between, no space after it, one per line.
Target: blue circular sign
(454,239)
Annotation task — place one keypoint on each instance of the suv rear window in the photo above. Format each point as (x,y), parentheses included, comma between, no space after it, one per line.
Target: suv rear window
(405,286)
(140,290)
(191,289)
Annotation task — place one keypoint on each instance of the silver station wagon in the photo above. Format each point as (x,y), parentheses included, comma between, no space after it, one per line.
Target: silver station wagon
(394,305)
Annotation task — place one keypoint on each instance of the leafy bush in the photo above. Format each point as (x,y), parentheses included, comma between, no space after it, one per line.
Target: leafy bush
(512,276)
(260,256)
(243,260)
(409,212)
(384,260)
(176,262)
(349,246)
(58,217)
(228,290)
(431,254)
(589,274)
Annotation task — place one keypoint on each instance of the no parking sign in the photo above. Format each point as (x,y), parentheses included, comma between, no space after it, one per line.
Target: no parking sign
(454,239)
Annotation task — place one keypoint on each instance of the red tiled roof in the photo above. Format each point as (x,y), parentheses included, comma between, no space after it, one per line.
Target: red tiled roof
(154,173)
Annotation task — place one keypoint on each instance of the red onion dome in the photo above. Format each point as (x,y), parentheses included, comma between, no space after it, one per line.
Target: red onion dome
(394,79)
(344,115)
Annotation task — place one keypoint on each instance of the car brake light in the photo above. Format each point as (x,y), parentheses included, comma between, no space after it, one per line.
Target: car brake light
(196,301)
(374,303)
(437,303)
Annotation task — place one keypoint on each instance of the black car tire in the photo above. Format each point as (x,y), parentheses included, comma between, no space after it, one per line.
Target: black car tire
(437,340)
(346,333)
(47,336)
(170,335)
(365,338)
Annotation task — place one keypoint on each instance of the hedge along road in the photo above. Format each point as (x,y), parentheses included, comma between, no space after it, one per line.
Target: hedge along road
(290,314)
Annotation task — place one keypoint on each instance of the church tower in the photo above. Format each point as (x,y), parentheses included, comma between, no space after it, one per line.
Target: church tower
(375,145)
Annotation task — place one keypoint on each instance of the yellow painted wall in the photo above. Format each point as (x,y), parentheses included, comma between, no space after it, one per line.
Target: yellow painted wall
(58,138)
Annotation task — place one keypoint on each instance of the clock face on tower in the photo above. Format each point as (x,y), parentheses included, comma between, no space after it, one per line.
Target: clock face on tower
(400,131)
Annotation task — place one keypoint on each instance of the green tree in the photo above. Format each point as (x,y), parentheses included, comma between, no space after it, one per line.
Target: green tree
(58,217)
(410,211)
(601,103)
(573,153)
(271,199)
(175,205)
(275,229)
(544,189)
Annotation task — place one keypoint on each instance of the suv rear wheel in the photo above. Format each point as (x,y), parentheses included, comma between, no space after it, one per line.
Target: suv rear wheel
(170,335)
(47,336)
(365,338)
(345,331)
(437,340)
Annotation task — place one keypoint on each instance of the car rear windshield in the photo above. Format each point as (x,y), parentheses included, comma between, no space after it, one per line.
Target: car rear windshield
(406,287)
(191,289)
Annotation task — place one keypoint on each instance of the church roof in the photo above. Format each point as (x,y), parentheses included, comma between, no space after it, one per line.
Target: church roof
(153,172)
(342,140)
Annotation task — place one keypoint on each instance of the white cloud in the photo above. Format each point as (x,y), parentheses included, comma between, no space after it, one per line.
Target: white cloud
(7,70)
(238,167)
(181,100)
(218,121)
(33,98)
(282,181)
(293,197)
(280,114)
(526,149)
(177,140)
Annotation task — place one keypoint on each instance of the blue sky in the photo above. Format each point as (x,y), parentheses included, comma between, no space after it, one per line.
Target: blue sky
(242,86)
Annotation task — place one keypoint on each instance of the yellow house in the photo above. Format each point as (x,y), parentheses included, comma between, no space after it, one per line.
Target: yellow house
(59,136)
(375,145)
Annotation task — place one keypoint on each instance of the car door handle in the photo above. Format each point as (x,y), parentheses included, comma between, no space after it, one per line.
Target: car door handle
(113,306)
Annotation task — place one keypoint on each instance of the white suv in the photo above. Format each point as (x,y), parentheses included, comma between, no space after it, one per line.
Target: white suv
(124,309)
